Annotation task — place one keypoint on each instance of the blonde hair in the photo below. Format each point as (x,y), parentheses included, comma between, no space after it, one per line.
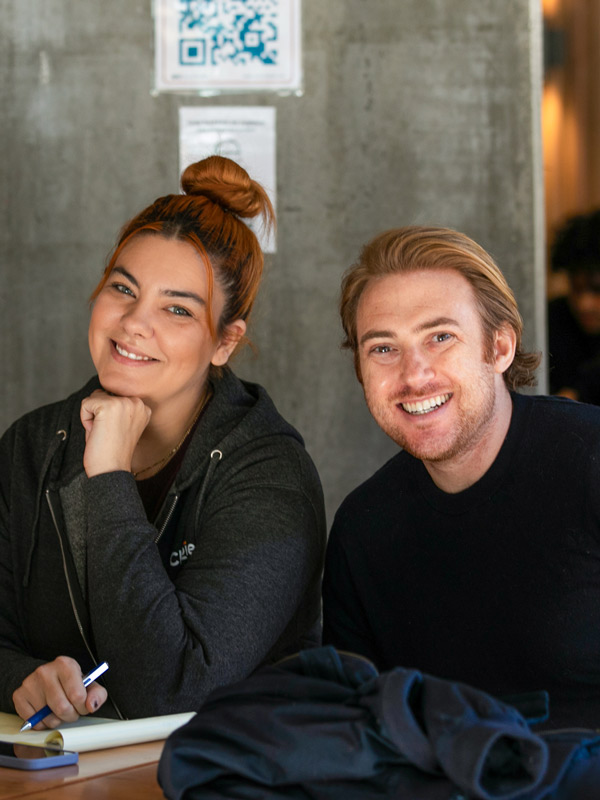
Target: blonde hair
(415,248)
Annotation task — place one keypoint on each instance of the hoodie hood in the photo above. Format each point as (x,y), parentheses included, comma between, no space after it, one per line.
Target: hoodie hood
(238,415)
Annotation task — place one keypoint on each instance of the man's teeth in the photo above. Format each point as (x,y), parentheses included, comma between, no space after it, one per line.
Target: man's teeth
(132,356)
(425,406)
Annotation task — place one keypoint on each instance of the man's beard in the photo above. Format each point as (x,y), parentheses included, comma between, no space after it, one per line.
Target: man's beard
(469,428)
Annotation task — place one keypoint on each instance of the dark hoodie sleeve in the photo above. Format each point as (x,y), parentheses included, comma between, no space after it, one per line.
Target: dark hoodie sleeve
(15,663)
(248,591)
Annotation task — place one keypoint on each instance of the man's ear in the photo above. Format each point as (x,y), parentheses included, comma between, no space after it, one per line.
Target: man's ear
(229,341)
(505,345)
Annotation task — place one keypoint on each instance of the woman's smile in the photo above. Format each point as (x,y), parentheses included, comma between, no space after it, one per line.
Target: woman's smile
(129,354)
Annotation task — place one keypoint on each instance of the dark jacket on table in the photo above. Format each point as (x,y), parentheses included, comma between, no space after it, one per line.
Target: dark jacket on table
(323,725)
(81,573)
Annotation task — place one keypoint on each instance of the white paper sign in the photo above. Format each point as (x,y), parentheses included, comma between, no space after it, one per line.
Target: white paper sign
(214,46)
(244,133)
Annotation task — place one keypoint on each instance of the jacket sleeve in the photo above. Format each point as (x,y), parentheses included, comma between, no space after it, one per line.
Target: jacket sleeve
(253,576)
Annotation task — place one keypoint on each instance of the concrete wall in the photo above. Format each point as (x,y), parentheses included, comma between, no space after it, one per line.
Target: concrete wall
(413,111)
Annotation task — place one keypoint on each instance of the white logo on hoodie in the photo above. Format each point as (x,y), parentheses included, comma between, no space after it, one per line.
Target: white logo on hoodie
(179,556)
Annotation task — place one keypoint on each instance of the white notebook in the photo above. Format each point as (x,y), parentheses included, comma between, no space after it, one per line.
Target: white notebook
(93,733)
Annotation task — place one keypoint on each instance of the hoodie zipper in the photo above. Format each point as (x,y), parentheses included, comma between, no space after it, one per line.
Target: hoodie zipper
(72,599)
(62,552)
(167,519)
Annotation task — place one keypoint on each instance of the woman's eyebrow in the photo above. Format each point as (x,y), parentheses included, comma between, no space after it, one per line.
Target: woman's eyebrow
(122,271)
(167,292)
(183,293)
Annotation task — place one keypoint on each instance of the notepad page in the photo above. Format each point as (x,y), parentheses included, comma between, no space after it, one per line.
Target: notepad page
(94,733)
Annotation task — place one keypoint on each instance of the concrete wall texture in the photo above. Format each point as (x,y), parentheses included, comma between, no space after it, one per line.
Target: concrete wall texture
(414,111)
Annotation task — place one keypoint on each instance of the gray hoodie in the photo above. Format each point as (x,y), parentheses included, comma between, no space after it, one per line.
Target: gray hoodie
(81,573)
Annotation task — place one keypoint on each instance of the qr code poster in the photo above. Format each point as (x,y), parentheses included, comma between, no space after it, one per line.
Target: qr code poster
(215,46)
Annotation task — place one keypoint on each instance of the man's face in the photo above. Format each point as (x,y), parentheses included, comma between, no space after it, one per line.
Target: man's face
(584,299)
(421,356)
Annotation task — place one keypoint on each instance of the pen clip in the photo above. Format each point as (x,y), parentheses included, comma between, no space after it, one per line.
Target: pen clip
(95,673)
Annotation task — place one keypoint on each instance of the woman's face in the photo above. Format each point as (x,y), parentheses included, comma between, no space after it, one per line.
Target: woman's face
(149,334)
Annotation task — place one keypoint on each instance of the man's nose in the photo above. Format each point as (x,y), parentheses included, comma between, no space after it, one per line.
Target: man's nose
(415,367)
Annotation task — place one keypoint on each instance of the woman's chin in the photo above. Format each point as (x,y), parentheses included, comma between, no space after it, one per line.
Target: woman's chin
(118,387)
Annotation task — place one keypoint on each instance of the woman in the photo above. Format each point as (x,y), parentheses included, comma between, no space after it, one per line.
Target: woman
(165,518)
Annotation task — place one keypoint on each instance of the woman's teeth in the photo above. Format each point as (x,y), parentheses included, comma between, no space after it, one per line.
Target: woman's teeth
(122,352)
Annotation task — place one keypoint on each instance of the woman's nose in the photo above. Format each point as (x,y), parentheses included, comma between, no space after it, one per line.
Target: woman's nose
(137,321)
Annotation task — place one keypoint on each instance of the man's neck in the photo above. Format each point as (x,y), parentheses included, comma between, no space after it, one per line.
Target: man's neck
(459,473)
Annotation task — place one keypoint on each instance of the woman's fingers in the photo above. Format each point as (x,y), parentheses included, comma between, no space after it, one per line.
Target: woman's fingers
(113,428)
(58,684)
(96,697)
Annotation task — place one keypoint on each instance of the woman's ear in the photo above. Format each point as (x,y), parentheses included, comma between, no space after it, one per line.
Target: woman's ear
(228,342)
(505,345)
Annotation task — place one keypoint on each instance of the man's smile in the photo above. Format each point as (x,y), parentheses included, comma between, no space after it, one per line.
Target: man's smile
(426,406)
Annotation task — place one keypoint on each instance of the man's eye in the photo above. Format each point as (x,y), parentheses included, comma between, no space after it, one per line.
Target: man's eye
(442,337)
(179,311)
(382,349)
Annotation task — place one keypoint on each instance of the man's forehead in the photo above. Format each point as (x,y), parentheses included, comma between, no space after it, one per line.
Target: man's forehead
(430,291)
(409,306)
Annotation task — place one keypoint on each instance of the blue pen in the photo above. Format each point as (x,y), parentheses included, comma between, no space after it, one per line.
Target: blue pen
(43,712)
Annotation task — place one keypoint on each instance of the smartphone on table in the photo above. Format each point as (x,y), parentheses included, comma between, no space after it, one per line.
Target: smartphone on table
(27,756)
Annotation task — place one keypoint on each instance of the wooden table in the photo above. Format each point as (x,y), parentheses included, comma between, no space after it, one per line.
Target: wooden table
(120,773)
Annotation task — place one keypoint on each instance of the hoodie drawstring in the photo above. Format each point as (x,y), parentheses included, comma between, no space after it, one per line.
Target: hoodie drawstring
(215,458)
(60,437)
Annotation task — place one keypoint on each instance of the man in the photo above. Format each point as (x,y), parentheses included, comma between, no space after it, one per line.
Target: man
(574,320)
(474,553)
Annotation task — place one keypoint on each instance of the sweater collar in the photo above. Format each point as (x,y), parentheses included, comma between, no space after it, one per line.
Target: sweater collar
(491,481)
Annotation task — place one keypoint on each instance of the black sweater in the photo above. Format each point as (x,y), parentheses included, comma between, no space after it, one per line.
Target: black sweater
(497,586)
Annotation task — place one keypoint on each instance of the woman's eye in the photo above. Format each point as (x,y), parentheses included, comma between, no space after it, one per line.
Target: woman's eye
(121,287)
(179,311)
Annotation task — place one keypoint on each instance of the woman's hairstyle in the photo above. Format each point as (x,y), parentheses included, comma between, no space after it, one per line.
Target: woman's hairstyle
(416,248)
(217,196)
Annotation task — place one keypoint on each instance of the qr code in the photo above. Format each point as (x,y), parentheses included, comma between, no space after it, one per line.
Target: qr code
(235,31)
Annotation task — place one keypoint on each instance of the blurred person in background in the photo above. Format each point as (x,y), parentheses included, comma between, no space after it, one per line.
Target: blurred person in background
(574,320)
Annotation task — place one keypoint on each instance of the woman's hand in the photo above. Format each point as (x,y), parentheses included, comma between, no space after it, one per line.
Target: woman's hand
(58,684)
(113,426)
